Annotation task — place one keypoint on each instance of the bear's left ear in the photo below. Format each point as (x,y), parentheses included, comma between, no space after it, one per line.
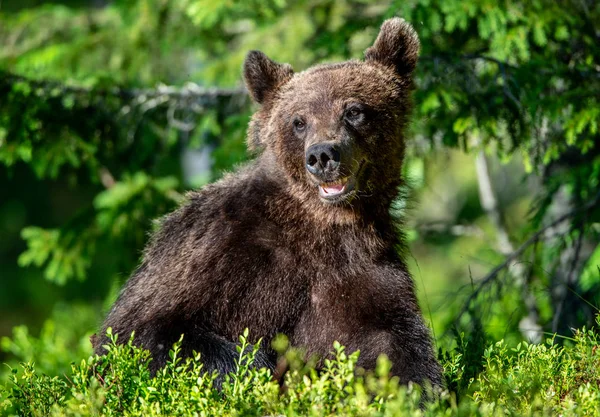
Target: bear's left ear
(264,76)
(396,46)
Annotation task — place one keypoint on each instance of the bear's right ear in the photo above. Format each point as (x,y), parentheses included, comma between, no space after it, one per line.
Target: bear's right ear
(397,46)
(264,76)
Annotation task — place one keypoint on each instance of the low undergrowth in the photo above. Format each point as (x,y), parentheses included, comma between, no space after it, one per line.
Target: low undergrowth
(536,380)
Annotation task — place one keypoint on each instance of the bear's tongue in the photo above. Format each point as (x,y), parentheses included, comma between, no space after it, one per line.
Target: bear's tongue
(332,188)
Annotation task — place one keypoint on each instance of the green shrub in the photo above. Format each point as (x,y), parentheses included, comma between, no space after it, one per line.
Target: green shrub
(57,345)
(536,380)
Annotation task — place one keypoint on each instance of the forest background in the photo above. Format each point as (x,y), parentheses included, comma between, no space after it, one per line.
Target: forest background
(111,110)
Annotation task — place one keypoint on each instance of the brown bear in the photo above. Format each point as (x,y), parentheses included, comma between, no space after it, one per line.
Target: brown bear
(301,240)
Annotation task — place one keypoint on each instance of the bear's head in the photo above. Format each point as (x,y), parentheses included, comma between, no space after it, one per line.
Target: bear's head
(334,132)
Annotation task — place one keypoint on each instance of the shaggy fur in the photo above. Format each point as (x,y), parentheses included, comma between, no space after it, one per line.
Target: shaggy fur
(260,249)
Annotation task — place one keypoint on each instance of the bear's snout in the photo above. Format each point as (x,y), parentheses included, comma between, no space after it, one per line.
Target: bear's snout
(323,159)
(334,167)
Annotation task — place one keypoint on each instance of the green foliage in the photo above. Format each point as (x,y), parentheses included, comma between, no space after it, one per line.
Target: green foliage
(544,377)
(57,345)
(121,213)
(463,363)
(85,114)
(68,254)
(513,78)
(536,380)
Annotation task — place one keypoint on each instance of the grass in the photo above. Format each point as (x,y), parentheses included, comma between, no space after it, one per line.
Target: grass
(527,380)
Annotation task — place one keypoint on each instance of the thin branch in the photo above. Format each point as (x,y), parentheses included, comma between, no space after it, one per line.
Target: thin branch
(569,281)
(469,57)
(193,91)
(489,59)
(489,202)
(106,177)
(491,276)
(442,228)
(188,91)
(506,89)
(582,72)
(138,101)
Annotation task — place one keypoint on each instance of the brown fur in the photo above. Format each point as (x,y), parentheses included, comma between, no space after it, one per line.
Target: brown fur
(261,250)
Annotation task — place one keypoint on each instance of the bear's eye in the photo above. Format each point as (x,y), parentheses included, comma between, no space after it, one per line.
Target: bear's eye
(299,125)
(353,113)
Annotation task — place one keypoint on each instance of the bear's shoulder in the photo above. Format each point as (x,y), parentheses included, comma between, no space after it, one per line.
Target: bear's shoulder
(231,205)
(236,196)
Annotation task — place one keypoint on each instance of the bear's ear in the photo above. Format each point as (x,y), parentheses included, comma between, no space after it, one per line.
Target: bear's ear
(396,46)
(264,76)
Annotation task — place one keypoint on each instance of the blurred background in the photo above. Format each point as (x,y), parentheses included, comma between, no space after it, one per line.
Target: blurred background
(111,110)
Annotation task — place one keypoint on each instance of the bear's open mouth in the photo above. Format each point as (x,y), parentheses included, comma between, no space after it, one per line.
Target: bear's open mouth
(334,189)
(340,189)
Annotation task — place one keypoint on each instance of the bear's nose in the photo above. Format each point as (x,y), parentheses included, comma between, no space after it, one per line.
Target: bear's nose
(322,158)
